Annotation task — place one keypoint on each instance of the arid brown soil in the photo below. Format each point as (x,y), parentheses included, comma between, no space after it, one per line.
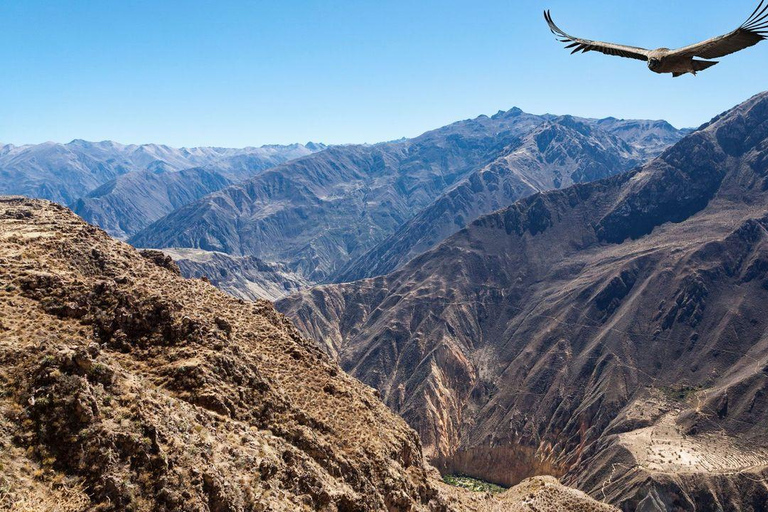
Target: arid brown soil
(126,387)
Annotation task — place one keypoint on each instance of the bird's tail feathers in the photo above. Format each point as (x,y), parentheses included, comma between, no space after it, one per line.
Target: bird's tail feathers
(701,65)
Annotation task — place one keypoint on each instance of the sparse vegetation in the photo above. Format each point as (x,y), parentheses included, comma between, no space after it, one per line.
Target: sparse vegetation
(679,393)
(472,484)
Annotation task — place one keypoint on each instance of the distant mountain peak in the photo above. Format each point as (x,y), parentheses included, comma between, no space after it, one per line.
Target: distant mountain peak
(513,112)
(315,146)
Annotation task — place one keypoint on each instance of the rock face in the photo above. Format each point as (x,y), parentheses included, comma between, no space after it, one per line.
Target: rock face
(67,172)
(317,214)
(244,277)
(612,333)
(124,386)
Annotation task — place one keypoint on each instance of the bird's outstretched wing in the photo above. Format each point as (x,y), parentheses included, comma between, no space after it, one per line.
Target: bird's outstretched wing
(585,45)
(754,30)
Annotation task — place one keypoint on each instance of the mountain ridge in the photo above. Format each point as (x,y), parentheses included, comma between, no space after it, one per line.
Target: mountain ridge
(560,152)
(66,172)
(134,200)
(318,213)
(375,187)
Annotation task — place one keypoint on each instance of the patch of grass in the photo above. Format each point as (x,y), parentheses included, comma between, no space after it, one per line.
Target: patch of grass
(679,394)
(472,484)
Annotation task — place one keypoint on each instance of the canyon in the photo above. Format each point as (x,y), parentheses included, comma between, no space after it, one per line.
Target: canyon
(611,334)
(124,386)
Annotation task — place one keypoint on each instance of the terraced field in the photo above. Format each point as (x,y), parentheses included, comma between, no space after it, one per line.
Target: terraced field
(666,448)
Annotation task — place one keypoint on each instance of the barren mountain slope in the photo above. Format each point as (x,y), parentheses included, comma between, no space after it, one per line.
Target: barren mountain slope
(131,202)
(614,332)
(557,154)
(126,387)
(317,214)
(244,277)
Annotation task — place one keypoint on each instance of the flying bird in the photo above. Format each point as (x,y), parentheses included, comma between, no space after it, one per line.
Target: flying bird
(683,60)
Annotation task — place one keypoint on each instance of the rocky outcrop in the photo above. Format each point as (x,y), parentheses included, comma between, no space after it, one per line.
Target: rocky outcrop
(613,332)
(155,392)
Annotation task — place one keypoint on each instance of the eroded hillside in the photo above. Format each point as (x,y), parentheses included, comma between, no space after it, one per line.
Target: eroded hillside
(556,154)
(126,387)
(613,333)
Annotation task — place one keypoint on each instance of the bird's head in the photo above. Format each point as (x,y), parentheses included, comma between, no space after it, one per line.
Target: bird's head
(654,64)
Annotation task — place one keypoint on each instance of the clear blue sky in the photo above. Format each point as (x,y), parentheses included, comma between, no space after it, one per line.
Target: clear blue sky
(236,73)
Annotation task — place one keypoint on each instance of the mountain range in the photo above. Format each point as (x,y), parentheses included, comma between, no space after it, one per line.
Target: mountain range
(556,154)
(546,297)
(612,333)
(351,210)
(123,188)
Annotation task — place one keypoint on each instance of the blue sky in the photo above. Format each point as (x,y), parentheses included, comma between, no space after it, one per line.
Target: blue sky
(237,73)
